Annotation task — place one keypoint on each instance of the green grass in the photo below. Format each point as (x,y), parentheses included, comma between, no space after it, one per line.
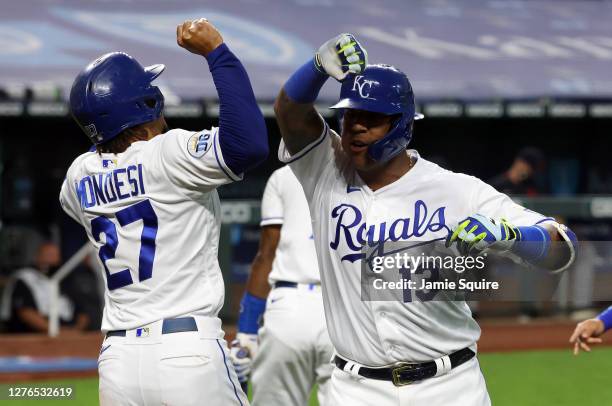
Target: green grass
(549,378)
(537,378)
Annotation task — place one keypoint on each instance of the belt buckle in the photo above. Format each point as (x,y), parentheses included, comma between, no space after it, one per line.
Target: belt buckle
(395,372)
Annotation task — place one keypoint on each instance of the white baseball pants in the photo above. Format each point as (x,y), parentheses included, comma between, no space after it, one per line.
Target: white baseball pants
(177,369)
(294,351)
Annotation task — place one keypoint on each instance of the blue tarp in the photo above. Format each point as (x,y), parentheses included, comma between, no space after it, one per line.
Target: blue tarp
(44,364)
(470,49)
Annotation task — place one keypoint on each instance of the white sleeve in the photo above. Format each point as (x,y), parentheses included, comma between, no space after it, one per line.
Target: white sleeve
(272,202)
(309,164)
(496,205)
(68,201)
(193,160)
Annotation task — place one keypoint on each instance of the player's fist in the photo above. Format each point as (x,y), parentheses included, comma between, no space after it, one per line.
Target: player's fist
(478,233)
(585,333)
(198,36)
(340,56)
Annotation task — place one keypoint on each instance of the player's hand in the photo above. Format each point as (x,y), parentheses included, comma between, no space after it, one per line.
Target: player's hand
(585,333)
(340,56)
(198,36)
(478,234)
(248,341)
(241,360)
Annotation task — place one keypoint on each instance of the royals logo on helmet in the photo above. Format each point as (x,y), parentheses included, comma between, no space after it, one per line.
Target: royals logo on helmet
(364,87)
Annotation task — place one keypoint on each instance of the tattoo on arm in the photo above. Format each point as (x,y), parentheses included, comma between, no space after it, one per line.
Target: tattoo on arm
(300,124)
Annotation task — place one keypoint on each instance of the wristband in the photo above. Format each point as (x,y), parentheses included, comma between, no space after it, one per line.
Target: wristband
(606,318)
(305,83)
(251,310)
(533,243)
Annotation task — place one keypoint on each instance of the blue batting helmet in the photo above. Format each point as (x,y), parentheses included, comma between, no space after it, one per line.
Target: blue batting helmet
(114,93)
(382,89)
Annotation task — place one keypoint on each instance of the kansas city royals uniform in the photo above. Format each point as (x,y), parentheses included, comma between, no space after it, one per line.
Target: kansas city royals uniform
(420,206)
(294,349)
(152,213)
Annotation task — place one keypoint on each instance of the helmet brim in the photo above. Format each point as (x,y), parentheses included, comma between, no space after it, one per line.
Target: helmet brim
(154,71)
(344,104)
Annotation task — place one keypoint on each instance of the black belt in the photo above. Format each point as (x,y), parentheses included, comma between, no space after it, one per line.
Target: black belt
(169,326)
(285,284)
(405,373)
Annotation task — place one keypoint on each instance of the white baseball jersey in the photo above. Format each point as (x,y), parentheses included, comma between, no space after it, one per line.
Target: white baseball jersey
(153,214)
(420,206)
(284,203)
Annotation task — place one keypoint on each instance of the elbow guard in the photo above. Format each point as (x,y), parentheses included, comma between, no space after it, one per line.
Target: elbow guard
(572,242)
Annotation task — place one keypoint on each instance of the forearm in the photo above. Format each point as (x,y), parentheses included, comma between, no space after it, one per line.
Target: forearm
(299,122)
(242,130)
(253,302)
(82,322)
(258,285)
(33,319)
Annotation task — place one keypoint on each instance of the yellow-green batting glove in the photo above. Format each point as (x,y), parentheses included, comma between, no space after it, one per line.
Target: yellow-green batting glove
(478,234)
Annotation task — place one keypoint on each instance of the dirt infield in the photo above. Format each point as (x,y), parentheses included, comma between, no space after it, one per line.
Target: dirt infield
(40,346)
(497,336)
(85,345)
(503,336)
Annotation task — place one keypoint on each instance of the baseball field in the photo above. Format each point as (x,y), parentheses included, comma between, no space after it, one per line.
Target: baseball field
(523,378)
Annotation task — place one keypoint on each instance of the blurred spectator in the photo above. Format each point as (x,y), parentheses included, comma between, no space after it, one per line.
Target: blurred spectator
(522,177)
(25,301)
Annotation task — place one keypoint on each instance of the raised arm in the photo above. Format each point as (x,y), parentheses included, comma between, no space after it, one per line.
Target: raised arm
(297,118)
(242,130)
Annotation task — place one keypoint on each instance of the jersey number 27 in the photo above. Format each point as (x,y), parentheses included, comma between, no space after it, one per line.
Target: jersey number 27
(139,211)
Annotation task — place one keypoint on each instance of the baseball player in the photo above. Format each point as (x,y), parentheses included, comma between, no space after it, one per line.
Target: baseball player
(364,188)
(590,331)
(294,347)
(148,202)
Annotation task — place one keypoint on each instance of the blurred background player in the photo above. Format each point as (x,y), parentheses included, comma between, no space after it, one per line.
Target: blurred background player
(148,202)
(590,331)
(26,302)
(524,177)
(291,352)
(364,188)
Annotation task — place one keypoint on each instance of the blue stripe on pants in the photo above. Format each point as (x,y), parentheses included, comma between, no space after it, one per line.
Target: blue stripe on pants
(228,373)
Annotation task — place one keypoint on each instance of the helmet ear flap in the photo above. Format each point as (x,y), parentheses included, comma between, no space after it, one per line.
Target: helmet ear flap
(394,142)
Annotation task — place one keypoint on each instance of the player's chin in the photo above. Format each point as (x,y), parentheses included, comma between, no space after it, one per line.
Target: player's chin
(358,155)
(362,161)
